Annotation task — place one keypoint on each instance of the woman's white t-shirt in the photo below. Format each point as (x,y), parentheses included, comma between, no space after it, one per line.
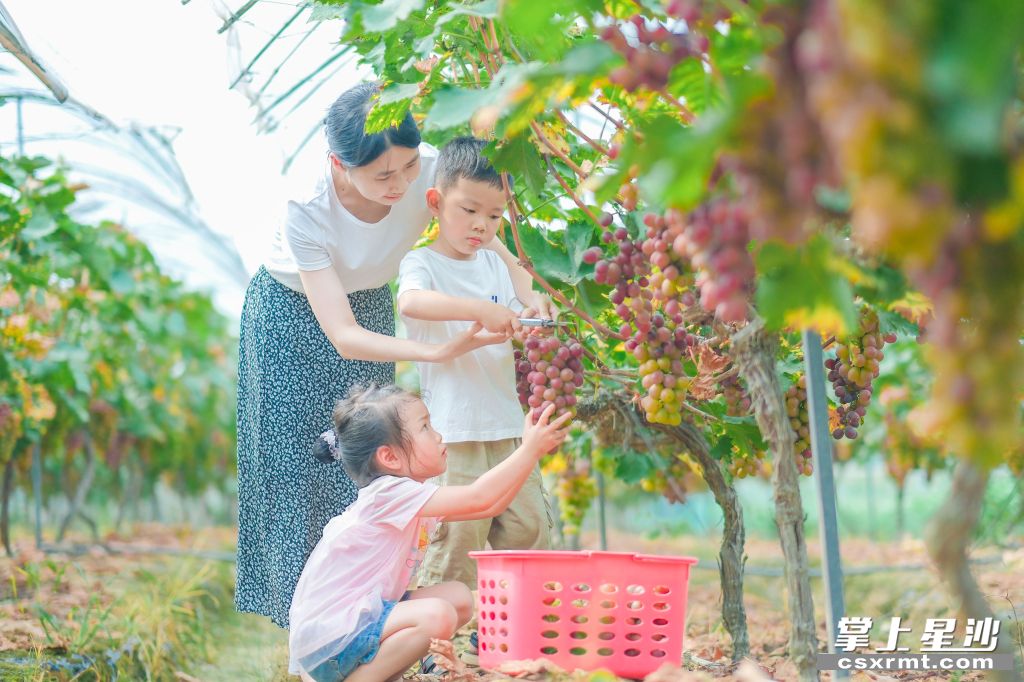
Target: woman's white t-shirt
(368,553)
(319,232)
(472,397)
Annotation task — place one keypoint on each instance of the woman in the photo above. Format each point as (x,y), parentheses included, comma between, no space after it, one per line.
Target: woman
(318,319)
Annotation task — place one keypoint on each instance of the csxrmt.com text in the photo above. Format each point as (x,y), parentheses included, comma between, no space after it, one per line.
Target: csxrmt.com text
(951,662)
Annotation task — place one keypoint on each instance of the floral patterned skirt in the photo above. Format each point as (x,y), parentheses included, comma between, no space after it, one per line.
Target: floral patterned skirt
(289,378)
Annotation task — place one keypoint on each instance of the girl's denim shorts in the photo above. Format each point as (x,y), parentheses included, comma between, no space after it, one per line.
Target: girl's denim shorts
(360,650)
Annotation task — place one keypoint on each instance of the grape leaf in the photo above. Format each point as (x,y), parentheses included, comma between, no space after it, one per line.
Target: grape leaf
(40,225)
(803,287)
(381,17)
(519,157)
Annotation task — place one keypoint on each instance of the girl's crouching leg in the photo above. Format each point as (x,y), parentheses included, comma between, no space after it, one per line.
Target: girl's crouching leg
(406,637)
(456,594)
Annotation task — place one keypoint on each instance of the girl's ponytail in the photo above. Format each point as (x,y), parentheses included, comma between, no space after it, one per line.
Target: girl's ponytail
(324,449)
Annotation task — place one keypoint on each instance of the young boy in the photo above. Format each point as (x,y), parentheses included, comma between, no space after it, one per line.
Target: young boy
(442,290)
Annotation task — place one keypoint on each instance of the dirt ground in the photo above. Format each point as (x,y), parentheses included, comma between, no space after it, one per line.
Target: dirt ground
(62,583)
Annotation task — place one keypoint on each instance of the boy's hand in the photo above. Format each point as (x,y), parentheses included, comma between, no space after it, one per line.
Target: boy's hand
(540,306)
(497,319)
(544,436)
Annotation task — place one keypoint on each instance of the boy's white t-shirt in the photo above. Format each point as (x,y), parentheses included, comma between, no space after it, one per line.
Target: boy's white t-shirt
(367,554)
(472,397)
(319,233)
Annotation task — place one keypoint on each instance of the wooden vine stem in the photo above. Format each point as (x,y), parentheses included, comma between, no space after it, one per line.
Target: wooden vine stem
(636,433)
(754,353)
(949,537)
(556,151)
(569,191)
(595,145)
(618,124)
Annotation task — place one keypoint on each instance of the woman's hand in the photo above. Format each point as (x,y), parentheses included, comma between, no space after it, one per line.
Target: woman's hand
(544,436)
(471,339)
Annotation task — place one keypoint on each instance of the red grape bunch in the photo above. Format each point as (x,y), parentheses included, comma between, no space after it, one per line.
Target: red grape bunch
(737,402)
(6,417)
(744,465)
(670,481)
(647,278)
(668,267)
(800,421)
(652,55)
(852,371)
(548,371)
(714,240)
(627,271)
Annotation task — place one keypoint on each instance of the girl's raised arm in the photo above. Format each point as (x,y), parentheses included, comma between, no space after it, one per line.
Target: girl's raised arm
(491,493)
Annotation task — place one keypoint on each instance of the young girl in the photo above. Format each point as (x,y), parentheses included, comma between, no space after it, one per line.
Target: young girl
(351,617)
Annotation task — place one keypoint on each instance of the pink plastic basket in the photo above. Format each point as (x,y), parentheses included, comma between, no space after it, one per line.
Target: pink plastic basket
(622,612)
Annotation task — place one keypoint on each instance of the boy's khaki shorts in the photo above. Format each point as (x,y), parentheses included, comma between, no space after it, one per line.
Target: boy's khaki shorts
(526,524)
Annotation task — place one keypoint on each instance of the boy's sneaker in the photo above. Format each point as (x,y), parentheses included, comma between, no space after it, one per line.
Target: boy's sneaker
(471,655)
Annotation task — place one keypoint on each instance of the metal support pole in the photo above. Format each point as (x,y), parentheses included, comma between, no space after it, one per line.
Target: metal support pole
(37,492)
(869,475)
(821,453)
(601,522)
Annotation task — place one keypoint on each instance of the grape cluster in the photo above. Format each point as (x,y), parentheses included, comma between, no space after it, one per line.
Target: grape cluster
(742,466)
(6,417)
(646,274)
(714,241)
(670,482)
(852,371)
(652,55)
(548,371)
(800,421)
(694,11)
(662,345)
(737,402)
(576,491)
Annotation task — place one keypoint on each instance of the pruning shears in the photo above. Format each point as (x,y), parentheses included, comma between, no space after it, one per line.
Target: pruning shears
(540,322)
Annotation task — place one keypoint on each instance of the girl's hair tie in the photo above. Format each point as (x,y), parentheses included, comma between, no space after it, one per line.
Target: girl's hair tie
(330,438)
